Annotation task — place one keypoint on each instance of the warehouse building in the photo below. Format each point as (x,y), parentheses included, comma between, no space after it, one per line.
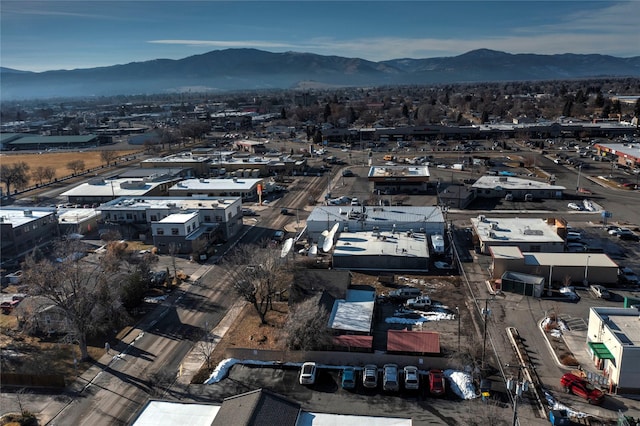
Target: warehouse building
(558,267)
(516,188)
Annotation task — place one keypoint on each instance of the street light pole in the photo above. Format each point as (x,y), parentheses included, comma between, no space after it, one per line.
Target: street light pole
(586,272)
(578,182)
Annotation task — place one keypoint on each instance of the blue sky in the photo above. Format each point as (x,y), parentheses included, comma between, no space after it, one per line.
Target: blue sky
(51,34)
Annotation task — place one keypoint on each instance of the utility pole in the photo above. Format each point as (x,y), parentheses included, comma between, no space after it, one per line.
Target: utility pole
(485,313)
(458,315)
(517,388)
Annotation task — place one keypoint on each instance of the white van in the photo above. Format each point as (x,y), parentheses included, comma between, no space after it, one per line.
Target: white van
(405,293)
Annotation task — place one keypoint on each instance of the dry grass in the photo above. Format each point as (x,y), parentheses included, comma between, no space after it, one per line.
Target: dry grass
(59,160)
(249,332)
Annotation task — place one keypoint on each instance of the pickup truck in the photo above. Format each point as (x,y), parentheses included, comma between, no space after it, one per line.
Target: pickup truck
(420,302)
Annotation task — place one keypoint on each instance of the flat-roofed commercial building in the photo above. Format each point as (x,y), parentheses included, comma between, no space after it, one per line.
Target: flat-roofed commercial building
(23,229)
(246,188)
(502,186)
(427,219)
(98,191)
(626,154)
(613,341)
(188,160)
(133,217)
(381,251)
(399,179)
(530,235)
(578,267)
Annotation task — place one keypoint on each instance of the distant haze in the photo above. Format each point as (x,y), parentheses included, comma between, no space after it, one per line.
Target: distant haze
(250,69)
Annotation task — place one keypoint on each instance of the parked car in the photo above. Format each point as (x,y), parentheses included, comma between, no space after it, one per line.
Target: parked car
(248,212)
(420,302)
(627,276)
(347,173)
(405,293)
(308,373)
(582,388)
(284,211)
(570,293)
(599,291)
(278,236)
(390,378)
(574,236)
(436,382)
(411,378)
(348,378)
(370,376)
(628,236)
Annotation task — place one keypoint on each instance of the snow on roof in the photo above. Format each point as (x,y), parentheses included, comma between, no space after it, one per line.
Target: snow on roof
(169,413)
(355,313)
(399,171)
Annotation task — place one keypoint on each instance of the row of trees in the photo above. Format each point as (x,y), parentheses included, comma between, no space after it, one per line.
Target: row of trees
(18,175)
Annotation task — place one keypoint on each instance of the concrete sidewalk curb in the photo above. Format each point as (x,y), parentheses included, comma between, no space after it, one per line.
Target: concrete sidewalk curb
(550,347)
(194,359)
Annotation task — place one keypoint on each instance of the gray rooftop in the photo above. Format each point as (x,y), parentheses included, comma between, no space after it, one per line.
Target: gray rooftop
(509,182)
(384,215)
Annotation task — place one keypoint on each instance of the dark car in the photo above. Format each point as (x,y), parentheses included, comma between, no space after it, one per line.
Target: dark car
(347,173)
(628,236)
(582,388)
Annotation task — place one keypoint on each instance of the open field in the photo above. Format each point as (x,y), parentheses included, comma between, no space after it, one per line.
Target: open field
(59,160)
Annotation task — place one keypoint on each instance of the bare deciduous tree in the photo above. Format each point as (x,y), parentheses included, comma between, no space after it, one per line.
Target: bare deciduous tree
(87,293)
(15,174)
(259,273)
(307,326)
(43,173)
(108,156)
(76,166)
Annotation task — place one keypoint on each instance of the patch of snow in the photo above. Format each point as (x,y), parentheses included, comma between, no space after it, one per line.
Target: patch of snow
(461,384)
(563,325)
(555,405)
(417,317)
(556,333)
(546,322)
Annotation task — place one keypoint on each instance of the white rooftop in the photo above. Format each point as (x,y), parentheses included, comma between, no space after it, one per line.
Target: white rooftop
(378,214)
(237,184)
(179,217)
(381,243)
(112,188)
(183,157)
(632,149)
(19,216)
(509,182)
(553,259)
(353,313)
(399,171)
(147,203)
(326,419)
(76,215)
(159,413)
(515,229)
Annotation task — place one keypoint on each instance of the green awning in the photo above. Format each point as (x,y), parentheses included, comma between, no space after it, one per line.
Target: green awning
(600,350)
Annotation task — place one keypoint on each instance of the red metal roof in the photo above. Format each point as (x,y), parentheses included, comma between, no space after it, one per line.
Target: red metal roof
(354,341)
(413,341)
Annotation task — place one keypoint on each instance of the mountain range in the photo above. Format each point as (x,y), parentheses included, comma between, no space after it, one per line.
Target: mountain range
(251,69)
